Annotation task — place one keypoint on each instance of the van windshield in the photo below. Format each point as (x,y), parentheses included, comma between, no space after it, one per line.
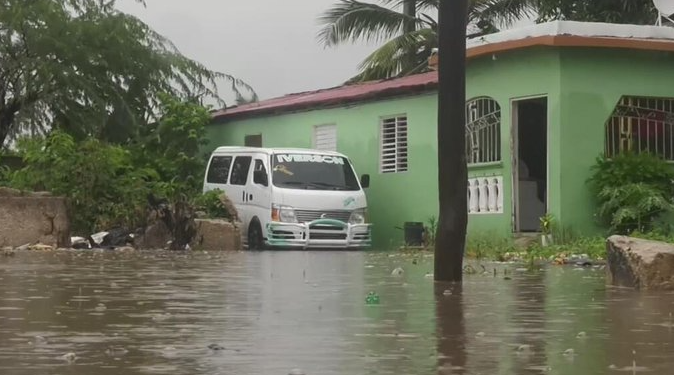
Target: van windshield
(313,171)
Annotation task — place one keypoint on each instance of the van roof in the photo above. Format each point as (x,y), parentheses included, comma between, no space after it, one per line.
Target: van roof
(274,150)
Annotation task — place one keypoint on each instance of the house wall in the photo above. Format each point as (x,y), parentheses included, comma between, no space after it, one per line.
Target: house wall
(505,77)
(582,87)
(393,198)
(592,83)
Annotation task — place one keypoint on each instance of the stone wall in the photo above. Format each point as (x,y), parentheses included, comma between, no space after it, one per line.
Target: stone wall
(216,235)
(640,264)
(31,218)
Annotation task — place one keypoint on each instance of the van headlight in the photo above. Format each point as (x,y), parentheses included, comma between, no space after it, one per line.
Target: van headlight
(358,216)
(284,214)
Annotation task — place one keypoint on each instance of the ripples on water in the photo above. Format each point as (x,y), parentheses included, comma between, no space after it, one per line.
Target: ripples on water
(269,313)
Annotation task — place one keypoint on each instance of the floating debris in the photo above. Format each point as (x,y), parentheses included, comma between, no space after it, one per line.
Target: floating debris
(569,352)
(398,272)
(372,298)
(116,351)
(216,347)
(523,348)
(39,340)
(161,317)
(480,334)
(69,357)
(581,335)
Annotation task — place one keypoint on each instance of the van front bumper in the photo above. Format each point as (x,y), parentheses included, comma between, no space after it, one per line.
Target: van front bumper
(319,234)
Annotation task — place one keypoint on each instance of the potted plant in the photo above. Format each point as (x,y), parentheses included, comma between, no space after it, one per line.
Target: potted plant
(546,229)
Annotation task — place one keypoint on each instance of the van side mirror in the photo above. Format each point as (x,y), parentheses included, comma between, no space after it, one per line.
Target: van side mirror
(260,177)
(365,181)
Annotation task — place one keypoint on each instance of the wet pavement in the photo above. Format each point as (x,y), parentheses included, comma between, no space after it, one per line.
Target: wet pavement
(277,313)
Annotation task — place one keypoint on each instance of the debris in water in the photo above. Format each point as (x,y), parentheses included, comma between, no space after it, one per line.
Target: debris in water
(39,340)
(372,298)
(161,317)
(216,347)
(581,335)
(524,348)
(397,272)
(69,357)
(116,351)
(429,275)
(447,292)
(480,334)
(569,352)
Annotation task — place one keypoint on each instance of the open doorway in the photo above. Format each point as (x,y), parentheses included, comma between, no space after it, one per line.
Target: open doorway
(530,163)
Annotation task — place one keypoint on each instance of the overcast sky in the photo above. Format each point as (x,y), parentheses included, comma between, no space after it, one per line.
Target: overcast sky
(271,44)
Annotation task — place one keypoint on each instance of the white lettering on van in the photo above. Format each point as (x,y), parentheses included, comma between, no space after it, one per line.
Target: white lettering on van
(306,158)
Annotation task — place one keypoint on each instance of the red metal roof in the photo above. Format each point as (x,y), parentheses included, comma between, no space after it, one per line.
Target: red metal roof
(333,96)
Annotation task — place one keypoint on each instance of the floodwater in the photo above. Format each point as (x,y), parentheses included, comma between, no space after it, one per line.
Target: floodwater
(305,312)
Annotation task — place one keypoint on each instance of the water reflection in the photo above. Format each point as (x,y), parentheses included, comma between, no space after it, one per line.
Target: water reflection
(268,313)
(451,329)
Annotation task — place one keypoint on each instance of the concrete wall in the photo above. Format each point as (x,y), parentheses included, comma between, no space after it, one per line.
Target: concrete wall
(33,218)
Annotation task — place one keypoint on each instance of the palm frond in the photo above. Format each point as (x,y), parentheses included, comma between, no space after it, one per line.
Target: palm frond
(399,56)
(352,20)
(504,12)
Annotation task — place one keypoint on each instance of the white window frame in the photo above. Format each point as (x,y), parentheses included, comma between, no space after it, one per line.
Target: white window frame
(394,148)
(483,131)
(314,141)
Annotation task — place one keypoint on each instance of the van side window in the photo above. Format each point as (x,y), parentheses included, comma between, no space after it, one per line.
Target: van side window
(259,166)
(240,170)
(219,169)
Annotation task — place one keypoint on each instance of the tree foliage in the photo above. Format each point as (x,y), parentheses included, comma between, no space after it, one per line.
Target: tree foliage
(88,69)
(108,185)
(405,49)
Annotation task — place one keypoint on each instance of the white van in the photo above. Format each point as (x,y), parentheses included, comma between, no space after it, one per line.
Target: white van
(292,198)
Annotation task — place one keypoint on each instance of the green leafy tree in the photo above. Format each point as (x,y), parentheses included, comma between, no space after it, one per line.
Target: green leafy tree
(104,187)
(172,145)
(88,69)
(109,185)
(408,30)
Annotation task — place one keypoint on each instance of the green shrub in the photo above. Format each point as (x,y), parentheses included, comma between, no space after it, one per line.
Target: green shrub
(212,205)
(103,186)
(632,191)
(108,185)
(172,146)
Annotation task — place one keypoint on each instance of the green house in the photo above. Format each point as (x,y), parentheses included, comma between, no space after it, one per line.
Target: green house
(543,102)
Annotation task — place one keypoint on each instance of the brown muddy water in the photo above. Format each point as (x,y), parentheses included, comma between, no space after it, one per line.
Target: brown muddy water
(305,312)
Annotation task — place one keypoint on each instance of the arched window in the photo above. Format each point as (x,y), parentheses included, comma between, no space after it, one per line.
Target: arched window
(483,131)
(641,124)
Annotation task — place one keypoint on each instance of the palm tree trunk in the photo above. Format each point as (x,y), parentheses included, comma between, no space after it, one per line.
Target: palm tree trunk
(452,170)
(410,10)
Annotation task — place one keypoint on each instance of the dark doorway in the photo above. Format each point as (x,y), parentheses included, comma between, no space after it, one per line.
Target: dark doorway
(530,127)
(253,140)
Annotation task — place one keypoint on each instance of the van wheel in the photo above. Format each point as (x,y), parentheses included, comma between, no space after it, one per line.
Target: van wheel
(255,239)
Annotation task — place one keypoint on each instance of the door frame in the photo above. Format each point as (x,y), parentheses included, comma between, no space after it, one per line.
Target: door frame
(514,156)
